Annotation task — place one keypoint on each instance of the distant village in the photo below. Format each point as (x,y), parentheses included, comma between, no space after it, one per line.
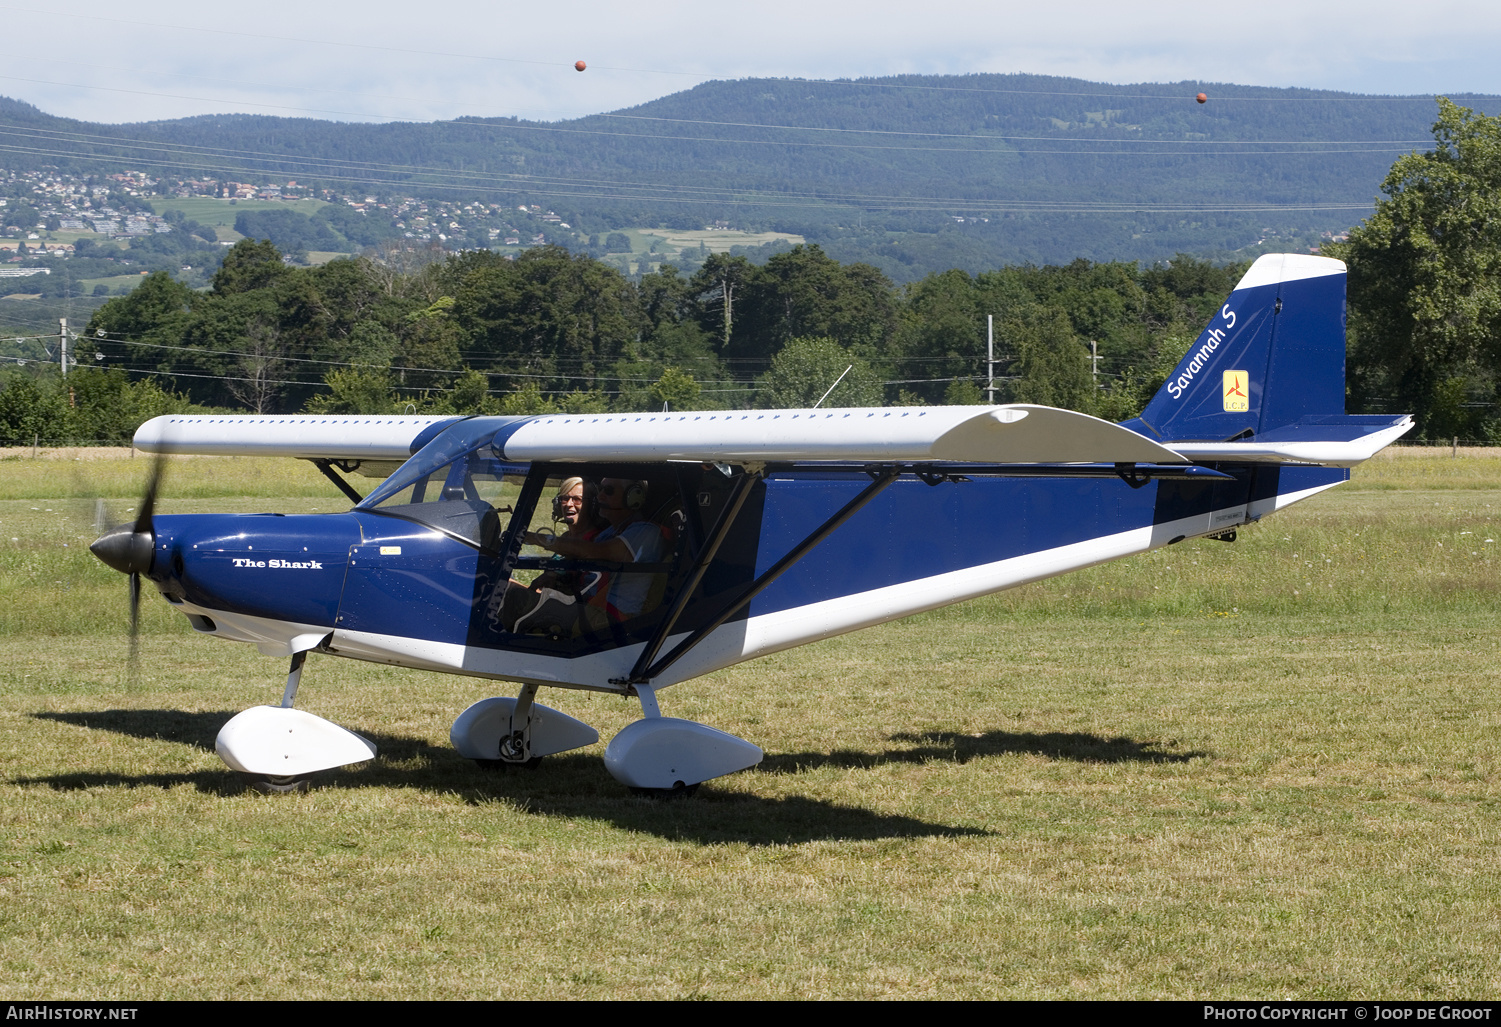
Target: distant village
(109,206)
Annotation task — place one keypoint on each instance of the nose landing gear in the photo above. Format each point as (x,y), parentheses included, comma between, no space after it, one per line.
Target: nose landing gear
(275,749)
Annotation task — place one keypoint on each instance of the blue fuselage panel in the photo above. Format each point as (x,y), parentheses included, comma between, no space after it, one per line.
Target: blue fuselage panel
(288,568)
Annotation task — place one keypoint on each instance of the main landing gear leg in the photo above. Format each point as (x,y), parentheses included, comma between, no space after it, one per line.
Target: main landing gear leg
(294,678)
(667,757)
(504,732)
(516,746)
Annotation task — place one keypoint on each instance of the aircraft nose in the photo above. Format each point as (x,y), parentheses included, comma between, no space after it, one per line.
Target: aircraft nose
(125,549)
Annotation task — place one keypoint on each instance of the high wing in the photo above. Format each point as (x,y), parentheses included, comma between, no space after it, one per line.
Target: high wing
(350,439)
(1008,434)
(1019,434)
(1012,434)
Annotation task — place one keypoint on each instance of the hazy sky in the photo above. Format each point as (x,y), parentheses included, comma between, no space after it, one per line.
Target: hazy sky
(382,60)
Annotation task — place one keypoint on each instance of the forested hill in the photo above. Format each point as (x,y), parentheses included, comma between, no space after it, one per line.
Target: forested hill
(1039,169)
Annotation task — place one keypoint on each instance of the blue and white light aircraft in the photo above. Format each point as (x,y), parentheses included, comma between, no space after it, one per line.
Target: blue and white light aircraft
(730,534)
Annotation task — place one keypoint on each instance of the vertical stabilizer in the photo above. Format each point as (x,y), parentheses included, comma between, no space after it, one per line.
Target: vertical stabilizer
(1271,356)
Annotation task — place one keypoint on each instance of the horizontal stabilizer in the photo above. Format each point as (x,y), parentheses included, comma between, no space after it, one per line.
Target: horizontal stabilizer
(1335,441)
(1016,434)
(347,437)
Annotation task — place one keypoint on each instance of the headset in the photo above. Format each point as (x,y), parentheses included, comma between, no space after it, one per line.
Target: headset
(634,497)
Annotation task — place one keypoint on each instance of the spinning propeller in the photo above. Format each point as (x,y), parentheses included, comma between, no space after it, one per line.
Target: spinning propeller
(129,549)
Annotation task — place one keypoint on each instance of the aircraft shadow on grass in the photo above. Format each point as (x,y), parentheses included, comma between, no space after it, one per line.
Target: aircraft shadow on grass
(568,785)
(948,746)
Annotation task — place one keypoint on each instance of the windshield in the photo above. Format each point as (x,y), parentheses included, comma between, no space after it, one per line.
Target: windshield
(455,483)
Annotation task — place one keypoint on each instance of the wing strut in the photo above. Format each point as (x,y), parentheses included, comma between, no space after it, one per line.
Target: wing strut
(706,556)
(328,472)
(883,476)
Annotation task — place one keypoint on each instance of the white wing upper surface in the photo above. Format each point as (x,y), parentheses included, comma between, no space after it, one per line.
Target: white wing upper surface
(1010,434)
(353,437)
(1014,434)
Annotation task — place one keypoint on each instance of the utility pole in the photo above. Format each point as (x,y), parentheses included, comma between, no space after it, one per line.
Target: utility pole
(729,291)
(1094,361)
(990,359)
(62,339)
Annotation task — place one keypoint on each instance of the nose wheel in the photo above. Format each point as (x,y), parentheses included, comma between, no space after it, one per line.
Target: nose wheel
(267,784)
(277,749)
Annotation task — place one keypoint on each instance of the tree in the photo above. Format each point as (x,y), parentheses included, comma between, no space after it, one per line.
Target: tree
(258,372)
(1052,366)
(527,400)
(431,345)
(716,284)
(27,411)
(355,390)
(944,338)
(805,292)
(1425,278)
(249,265)
(676,390)
(547,312)
(805,368)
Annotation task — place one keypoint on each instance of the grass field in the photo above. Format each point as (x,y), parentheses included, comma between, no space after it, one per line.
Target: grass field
(1266,769)
(670,243)
(220,214)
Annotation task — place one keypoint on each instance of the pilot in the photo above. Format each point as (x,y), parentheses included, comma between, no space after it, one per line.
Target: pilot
(629,538)
(573,507)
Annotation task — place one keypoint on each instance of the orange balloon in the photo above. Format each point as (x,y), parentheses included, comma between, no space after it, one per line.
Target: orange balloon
(580,66)
(1202,97)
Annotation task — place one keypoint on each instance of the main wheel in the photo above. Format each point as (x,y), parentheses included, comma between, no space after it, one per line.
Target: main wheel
(268,784)
(677,791)
(498,765)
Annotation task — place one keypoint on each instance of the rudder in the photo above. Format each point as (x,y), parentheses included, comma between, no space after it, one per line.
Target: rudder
(1273,355)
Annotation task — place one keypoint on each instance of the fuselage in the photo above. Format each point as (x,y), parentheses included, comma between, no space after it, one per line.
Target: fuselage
(391,589)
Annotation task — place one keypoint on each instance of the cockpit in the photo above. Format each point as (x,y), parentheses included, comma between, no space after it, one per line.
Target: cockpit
(534,589)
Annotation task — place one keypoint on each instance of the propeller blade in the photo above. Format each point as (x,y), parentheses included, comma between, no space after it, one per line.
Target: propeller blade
(129,549)
(144,528)
(148,501)
(135,623)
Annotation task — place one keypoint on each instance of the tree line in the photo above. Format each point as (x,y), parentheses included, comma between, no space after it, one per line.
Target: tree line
(553,330)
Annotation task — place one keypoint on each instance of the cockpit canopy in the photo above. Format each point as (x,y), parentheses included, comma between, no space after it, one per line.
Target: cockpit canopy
(457,483)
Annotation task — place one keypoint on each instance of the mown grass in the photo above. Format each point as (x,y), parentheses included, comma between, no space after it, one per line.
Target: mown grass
(1265,769)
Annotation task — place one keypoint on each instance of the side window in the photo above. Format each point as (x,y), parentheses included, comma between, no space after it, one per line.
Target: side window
(597,556)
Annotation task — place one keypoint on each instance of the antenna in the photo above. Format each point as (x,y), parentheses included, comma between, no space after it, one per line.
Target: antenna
(825,396)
